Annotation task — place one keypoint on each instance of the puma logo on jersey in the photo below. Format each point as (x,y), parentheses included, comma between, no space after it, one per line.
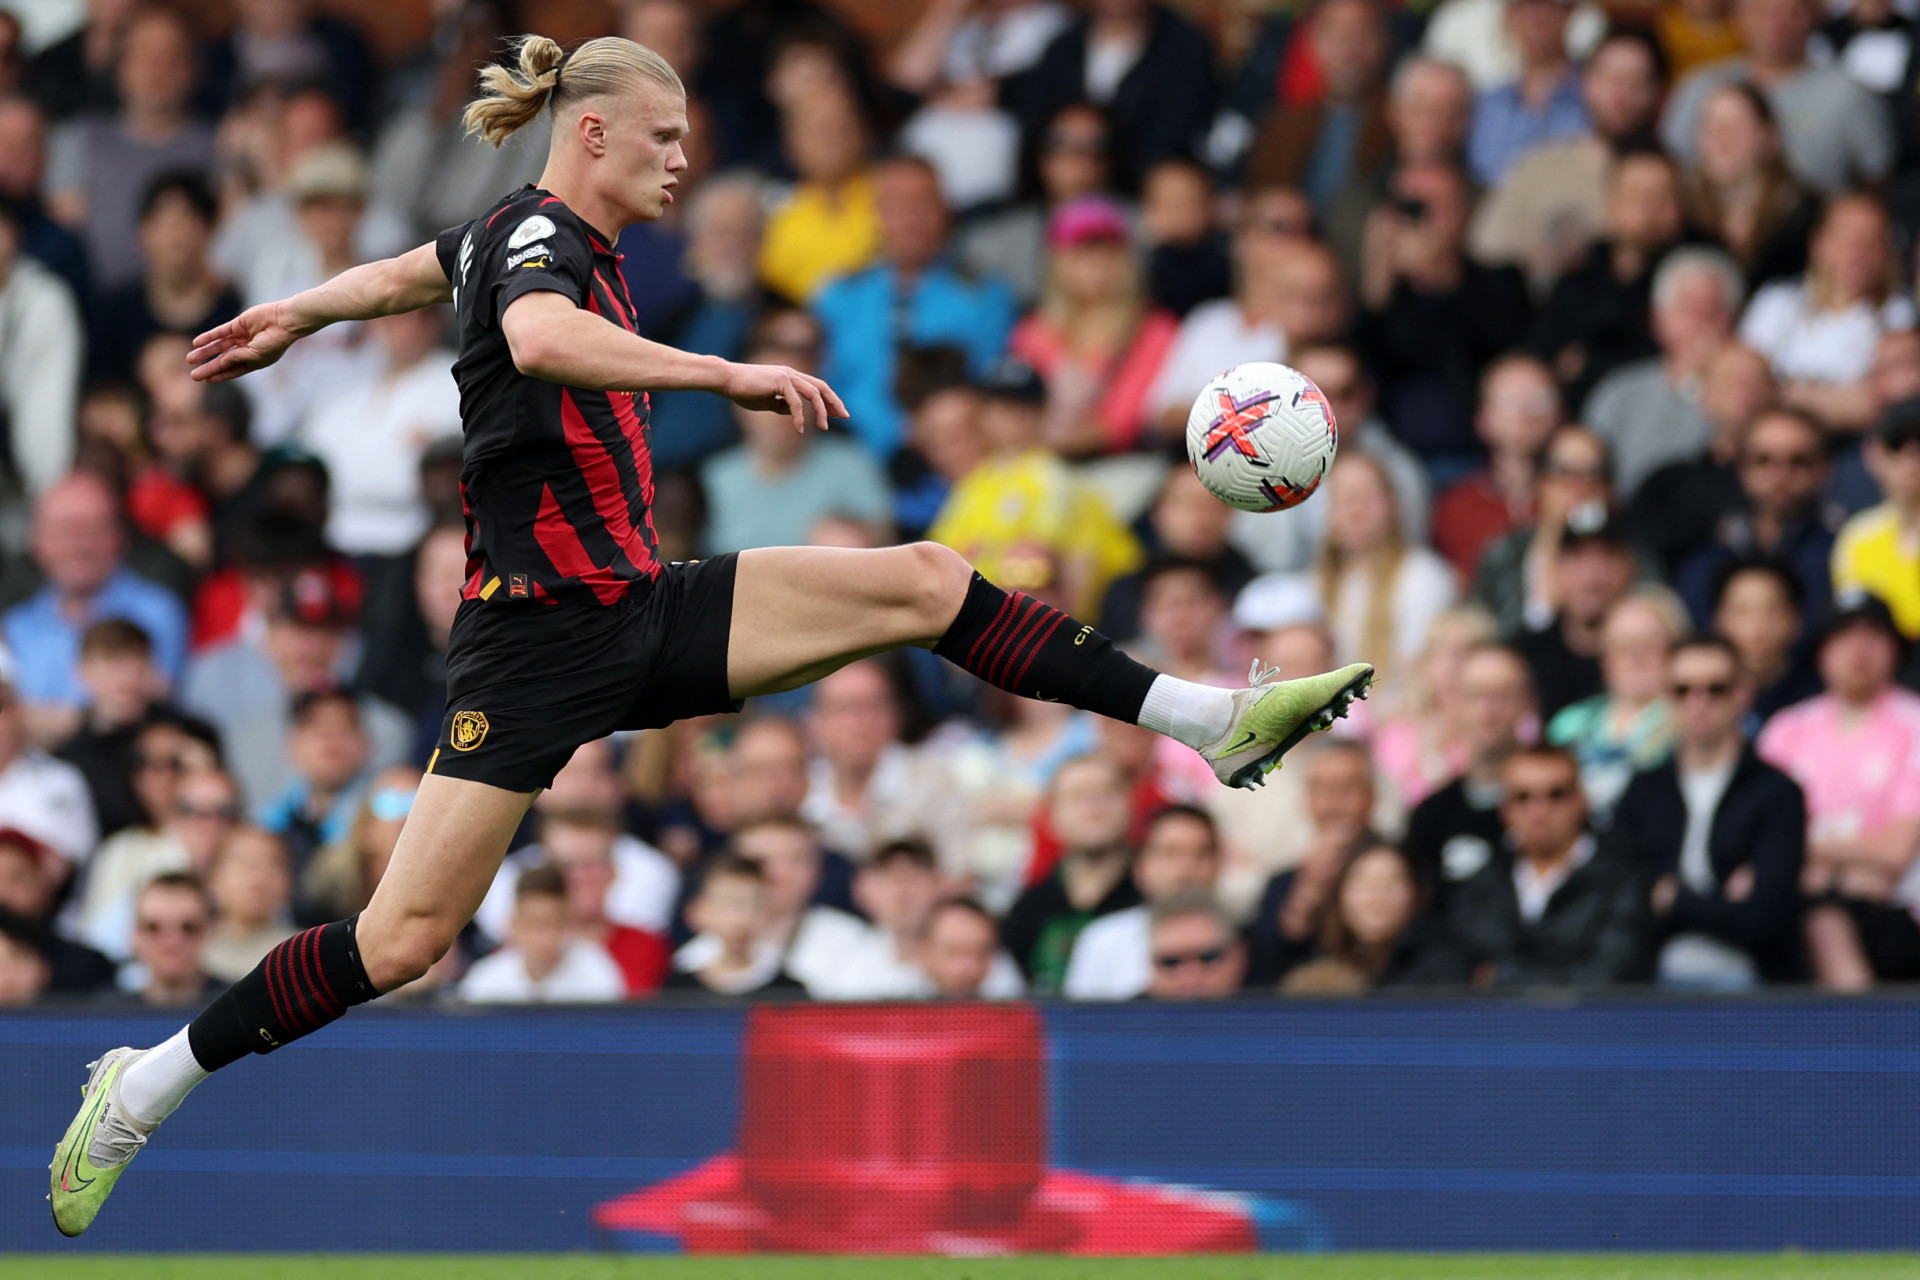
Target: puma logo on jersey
(535,228)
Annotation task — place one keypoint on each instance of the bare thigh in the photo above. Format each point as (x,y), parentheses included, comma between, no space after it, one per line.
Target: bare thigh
(447,856)
(802,612)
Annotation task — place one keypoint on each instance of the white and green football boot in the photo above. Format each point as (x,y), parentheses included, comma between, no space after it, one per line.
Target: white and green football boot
(102,1140)
(1271,716)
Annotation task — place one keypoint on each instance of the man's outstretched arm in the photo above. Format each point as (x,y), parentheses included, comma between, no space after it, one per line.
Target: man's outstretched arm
(260,335)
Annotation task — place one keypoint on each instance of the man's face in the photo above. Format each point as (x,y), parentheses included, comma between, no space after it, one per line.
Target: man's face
(1274,223)
(1633,651)
(1195,958)
(1312,296)
(769,771)
(1621,88)
(25,889)
(1776,30)
(729,907)
(1495,694)
(1539,29)
(119,685)
(1179,611)
(1089,805)
(897,895)
(1591,576)
(1643,202)
(1179,854)
(1737,386)
(76,536)
(1782,468)
(1429,114)
(1338,374)
(251,883)
(854,717)
(1519,408)
(1857,663)
(1350,46)
(1758,616)
(789,863)
(1073,157)
(539,929)
(1695,319)
(205,808)
(173,238)
(1709,696)
(23,150)
(169,929)
(1340,791)
(328,748)
(642,131)
(957,953)
(305,655)
(157,65)
(913,217)
(1190,521)
(1544,810)
(584,853)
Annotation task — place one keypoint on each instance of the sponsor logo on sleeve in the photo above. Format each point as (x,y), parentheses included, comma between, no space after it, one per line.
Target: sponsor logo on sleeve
(535,228)
(535,255)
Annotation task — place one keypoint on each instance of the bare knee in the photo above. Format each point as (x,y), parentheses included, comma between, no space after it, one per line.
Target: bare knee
(395,955)
(936,581)
(1833,947)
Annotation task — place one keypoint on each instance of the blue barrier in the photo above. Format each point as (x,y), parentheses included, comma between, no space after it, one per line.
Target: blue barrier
(1389,1124)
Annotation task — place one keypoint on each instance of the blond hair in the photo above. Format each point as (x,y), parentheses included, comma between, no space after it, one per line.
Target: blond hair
(1377,630)
(549,77)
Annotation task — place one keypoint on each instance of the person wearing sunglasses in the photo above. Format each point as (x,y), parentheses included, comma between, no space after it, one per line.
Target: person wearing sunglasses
(171,923)
(1879,549)
(1723,831)
(1195,952)
(1557,906)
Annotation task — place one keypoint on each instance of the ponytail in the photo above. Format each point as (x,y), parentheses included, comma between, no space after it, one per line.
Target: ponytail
(513,97)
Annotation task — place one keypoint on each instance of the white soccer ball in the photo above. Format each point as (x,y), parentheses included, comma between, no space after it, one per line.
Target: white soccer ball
(1261,437)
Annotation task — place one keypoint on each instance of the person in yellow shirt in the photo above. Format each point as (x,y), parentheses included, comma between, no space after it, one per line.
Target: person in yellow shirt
(829,225)
(1878,551)
(1023,517)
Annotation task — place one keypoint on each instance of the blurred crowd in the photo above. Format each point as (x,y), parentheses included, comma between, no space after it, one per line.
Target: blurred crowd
(1614,305)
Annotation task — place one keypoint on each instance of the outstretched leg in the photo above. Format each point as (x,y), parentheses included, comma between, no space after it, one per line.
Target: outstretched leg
(802,612)
(447,855)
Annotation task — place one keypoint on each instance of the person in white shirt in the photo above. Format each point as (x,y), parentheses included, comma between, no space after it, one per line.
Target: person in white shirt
(41,342)
(793,935)
(1112,959)
(542,964)
(645,885)
(726,957)
(44,797)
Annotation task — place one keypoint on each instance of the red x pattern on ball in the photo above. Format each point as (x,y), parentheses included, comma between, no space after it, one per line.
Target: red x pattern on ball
(1236,420)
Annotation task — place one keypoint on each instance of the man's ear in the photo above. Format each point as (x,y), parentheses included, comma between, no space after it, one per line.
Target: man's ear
(593,132)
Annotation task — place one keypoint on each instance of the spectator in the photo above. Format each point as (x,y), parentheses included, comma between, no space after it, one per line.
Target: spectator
(1541,104)
(1783,469)
(1677,508)
(1341,137)
(187,808)
(1518,412)
(584,845)
(831,223)
(1093,339)
(1562,910)
(1149,68)
(1275,269)
(1431,317)
(122,687)
(288,42)
(372,435)
(1381,589)
(727,912)
(340,879)
(1629,727)
(543,963)
(79,545)
(955,63)
(1476,36)
(1515,574)
(910,297)
(1454,833)
(1723,832)
(1087,806)
(1281,541)
(326,749)
(171,923)
(247,686)
(1371,937)
(25,971)
(40,361)
(724,223)
(44,797)
(23,171)
(959,950)
(1739,190)
(1855,751)
(1878,551)
(1820,330)
(1421,749)
(1837,134)
(412,601)
(76,73)
(768,768)
(1648,411)
(30,872)
(1022,517)
(1074,159)
(251,884)
(1187,523)
(1694,33)
(1182,609)
(178,292)
(1196,954)
(1552,202)
(1340,801)
(1598,316)
(1758,610)
(101,165)
(1112,958)
(1187,262)
(1591,571)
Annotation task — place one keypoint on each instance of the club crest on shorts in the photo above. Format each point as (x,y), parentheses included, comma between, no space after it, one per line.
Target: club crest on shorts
(469,730)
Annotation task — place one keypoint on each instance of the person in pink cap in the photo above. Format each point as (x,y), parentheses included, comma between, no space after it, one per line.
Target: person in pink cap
(1094,338)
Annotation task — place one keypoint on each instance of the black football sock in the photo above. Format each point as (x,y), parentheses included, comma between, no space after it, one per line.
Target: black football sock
(1016,643)
(304,983)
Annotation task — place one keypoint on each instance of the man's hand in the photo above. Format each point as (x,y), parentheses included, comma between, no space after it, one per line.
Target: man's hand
(775,388)
(251,340)
(1665,890)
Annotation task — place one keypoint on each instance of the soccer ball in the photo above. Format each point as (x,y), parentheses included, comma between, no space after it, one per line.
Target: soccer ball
(1261,437)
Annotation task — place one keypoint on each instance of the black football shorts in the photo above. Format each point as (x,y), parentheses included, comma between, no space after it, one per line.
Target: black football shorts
(528,683)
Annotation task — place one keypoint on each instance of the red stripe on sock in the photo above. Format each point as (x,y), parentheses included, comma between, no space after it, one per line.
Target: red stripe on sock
(1001,665)
(973,654)
(273,987)
(1034,647)
(297,971)
(999,640)
(323,990)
